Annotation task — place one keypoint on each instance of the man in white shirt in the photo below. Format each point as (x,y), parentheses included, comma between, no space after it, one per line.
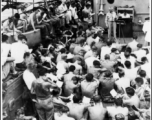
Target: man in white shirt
(147,30)
(92,53)
(131,98)
(123,82)
(7,62)
(126,56)
(19,48)
(5,49)
(73,10)
(140,53)
(62,10)
(28,75)
(78,67)
(133,44)
(117,109)
(89,62)
(87,14)
(62,66)
(105,50)
(130,73)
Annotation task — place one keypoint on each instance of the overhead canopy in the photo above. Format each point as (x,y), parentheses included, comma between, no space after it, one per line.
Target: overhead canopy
(8,13)
(31,7)
(22,0)
(30,1)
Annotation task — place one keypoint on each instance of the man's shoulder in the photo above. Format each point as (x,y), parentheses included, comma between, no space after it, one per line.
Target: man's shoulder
(111,109)
(26,73)
(15,43)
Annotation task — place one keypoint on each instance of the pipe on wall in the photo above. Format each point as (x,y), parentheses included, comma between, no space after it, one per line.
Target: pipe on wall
(101,10)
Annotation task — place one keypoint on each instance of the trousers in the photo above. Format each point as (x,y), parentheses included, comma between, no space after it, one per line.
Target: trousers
(112,26)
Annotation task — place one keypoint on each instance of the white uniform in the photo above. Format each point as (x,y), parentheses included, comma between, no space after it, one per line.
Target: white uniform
(110,22)
(147,30)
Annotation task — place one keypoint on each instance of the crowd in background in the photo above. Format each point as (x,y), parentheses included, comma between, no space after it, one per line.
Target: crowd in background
(76,73)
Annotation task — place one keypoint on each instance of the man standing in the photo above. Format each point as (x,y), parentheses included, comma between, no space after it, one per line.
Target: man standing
(110,21)
(146,30)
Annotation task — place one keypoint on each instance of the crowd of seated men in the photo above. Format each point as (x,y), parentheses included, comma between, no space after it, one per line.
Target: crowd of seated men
(79,74)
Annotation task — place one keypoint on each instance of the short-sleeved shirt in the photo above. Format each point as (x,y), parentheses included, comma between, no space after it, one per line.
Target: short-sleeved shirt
(17,51)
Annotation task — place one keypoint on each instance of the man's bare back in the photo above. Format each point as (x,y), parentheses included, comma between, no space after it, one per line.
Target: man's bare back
(97,112)
(77,110)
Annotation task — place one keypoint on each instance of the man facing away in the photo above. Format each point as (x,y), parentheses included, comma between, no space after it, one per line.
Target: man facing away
(77,109)
(97,112)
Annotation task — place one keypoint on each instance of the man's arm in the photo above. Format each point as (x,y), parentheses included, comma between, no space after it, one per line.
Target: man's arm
(32,22)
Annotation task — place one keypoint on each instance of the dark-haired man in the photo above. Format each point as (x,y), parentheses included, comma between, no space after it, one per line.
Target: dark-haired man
(89,86)
(140,52)
(131,98)
(11,24)
(130,73)
(110,21)
(126,56)
(105,50)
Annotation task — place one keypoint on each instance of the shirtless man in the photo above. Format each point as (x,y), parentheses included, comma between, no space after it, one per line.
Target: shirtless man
(77,109)
(68,77)
(63,114)
(35,23)
(97,112)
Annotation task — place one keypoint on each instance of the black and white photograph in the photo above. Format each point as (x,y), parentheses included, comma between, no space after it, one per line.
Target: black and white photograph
(76,59)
